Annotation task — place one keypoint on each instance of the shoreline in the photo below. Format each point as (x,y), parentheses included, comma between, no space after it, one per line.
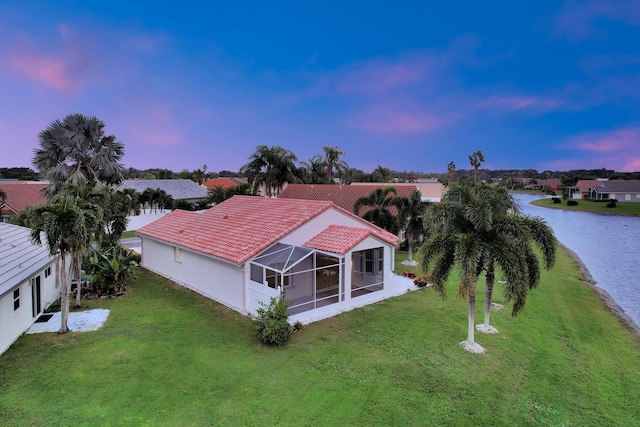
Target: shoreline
(577,210)
(609,302)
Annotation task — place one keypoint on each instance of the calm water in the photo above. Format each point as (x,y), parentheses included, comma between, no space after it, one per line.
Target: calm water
(609,245)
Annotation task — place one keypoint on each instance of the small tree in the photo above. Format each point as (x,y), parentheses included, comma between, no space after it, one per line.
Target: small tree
(272,324)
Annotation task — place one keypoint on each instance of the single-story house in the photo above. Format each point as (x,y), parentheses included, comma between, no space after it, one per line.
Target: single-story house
(179,189)
(620,189)
(581,189)
(344,196)
(224,183)
(27,282)
(431,190)
(246,250)
(20,195)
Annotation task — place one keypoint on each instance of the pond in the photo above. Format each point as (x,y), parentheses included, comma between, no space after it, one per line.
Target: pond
(609,245)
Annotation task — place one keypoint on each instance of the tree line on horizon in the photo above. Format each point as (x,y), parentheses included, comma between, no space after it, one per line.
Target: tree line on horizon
(380,174)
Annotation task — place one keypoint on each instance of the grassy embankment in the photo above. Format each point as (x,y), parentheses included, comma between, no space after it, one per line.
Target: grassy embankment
(622,208)
(167,356)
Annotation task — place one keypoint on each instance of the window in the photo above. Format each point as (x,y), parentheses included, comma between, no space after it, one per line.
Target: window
(16,299)
(47,272)
(176,254)
(257,274)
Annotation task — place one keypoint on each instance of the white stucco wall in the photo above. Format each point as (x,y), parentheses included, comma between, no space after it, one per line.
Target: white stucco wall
(14,323)
(218,280)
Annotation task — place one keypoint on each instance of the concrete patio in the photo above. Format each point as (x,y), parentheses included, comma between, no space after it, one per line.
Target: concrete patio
(80,321)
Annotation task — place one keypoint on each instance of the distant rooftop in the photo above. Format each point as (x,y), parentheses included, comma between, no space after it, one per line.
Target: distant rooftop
(179,189)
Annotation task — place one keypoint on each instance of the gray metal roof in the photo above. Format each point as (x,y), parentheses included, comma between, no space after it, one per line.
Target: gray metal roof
(179,189)
(620,186)
(19,258)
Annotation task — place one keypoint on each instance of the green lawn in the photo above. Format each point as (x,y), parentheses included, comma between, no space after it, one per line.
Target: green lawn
(625,208)
(128,234)
(167,356)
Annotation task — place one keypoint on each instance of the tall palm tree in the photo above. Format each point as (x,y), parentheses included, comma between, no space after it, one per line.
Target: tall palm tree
(511,227)
(411,217)
(271,167)
(469,232)
(77,152)
(381,203)
(332,162)
(476,160)
(69,225)
(451,169)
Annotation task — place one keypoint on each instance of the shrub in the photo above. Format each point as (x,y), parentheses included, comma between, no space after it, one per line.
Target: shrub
(409,274)
(572,203)
(271,323)
(555,200)
(612,203)
(109,269)
(422,281)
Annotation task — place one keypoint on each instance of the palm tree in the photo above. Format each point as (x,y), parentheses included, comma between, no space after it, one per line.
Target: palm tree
(468,231)
(476,160)
(76,152)
(69,225)
(380,202)
(133,199)
(332,161)
(451,169)
(381,174)
(411,218)
(314,170)
(146,198)
(511,227)
(271,167)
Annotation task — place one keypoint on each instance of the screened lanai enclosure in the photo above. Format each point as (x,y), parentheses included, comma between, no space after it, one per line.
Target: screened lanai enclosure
(311,278)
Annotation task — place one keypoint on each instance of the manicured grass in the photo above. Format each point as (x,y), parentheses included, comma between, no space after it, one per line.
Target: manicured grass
(622,208)
(128,234)
(167,356)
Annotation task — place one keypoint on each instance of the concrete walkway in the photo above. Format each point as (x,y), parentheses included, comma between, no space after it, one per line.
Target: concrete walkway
(79,321)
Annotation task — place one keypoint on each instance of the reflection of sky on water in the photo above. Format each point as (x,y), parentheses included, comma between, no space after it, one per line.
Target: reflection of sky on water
(609,245)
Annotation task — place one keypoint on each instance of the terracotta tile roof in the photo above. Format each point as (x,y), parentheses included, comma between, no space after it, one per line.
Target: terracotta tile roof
(243,226)
(344,196)
(21,194)
(584,184)
(224,182)
(338,238)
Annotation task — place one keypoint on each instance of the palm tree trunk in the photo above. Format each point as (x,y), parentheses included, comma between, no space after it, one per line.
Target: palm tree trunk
(410,241)
(472,310)
(64,295)
(491,277)
(78,265)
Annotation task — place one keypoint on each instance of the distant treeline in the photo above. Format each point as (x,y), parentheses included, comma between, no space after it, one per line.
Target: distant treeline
(379,174)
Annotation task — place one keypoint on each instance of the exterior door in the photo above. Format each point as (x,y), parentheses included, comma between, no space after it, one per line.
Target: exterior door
(36,296)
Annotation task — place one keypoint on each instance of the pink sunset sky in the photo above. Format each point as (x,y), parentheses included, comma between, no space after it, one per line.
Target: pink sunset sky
(410,86)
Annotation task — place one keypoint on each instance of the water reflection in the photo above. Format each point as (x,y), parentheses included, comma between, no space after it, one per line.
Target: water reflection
(608,245)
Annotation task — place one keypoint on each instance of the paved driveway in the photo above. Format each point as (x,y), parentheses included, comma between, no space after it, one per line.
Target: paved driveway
(133,243)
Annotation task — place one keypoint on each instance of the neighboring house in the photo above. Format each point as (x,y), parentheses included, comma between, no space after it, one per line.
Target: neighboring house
(179,189)
(548,184)
(344,196)
(581,189)
(430,190)
(27,282)
(224,182)
(20,195)
(245,250)
(621,190)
